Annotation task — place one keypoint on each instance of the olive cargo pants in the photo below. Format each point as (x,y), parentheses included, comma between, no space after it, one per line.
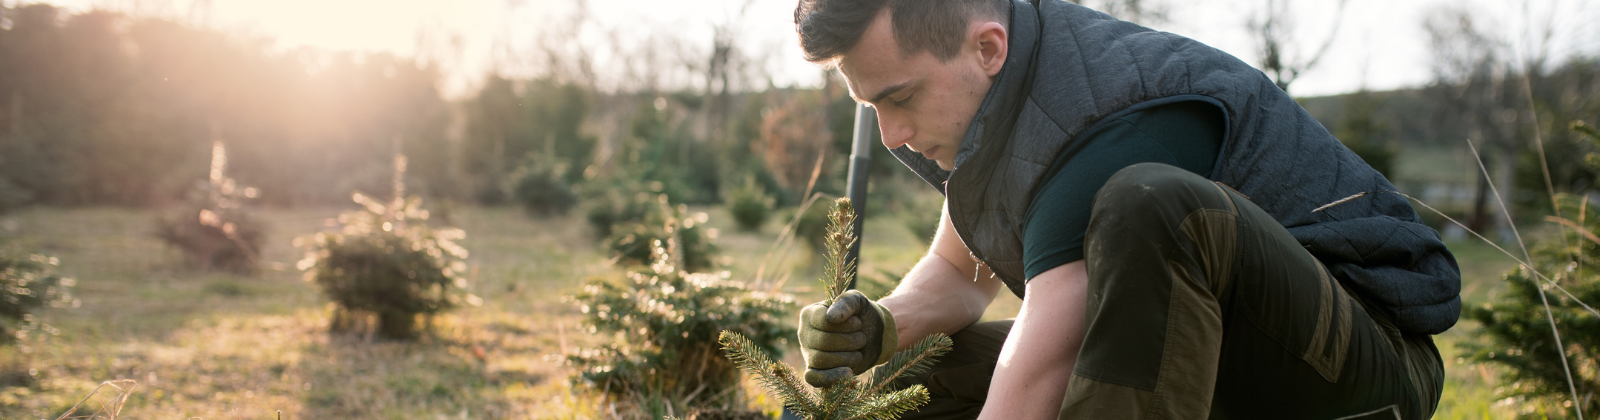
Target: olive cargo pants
(1202,306)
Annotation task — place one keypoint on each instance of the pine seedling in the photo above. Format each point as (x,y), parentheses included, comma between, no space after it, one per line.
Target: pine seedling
(848,399)
(841,236)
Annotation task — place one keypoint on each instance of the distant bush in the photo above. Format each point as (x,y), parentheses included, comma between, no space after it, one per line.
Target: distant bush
(13,196)
(750,205)
(213,227)
(611,202)
(685,235)
(665,322)
(386,266)
(541,189)
(920,213)
(813,227)
(28,284)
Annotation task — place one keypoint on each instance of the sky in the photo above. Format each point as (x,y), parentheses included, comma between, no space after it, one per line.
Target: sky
(1381,44)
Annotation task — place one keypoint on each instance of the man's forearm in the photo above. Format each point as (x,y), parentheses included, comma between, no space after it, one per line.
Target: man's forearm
(1036,362)
(936,296)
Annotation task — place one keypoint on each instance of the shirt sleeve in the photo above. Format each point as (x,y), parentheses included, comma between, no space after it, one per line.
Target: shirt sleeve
(1186,134)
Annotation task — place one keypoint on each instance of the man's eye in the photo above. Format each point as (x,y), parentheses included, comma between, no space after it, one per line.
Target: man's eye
(905,101)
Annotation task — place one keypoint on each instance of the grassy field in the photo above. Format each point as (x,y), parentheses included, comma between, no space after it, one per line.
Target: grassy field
(218,345)
(214,345)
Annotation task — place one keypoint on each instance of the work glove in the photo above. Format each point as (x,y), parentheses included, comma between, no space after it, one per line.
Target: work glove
(845,339)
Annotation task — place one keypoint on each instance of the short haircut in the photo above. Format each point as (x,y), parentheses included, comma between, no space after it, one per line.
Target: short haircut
(829,28)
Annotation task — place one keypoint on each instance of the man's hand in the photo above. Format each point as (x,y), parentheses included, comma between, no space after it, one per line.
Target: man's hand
(845,339)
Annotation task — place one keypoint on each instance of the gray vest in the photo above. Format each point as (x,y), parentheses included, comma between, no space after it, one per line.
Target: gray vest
(1070,67)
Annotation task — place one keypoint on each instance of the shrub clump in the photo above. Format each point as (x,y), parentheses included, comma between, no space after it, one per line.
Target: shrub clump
(386,266)
(13,196)
(213,227)
(665,324)
(608,204)
(750,205)
(1516,327)
(28,284)
(541,190)
(695,243)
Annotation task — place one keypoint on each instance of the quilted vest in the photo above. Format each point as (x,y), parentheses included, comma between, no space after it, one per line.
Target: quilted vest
(1070,67)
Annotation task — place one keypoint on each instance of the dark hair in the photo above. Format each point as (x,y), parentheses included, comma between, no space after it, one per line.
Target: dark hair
(829,28)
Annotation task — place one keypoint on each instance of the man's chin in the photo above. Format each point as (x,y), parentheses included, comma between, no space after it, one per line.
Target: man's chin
(933,155)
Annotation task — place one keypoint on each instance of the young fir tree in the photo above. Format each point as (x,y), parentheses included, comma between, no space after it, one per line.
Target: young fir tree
(849,399)
(1546,370)
(386,265)
(214,227)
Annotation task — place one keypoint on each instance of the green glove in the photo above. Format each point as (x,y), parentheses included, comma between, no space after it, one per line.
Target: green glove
(845,339)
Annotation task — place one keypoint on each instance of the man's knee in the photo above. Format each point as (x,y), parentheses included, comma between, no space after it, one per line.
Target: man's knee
(1148,181)
(1151,190)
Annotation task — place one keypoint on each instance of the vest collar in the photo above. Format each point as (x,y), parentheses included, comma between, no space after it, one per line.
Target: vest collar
(1001,104)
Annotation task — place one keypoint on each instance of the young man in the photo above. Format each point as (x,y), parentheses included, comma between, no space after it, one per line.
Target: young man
(1152,201)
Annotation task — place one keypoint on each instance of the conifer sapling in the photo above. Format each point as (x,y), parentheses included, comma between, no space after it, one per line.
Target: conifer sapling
(874,398)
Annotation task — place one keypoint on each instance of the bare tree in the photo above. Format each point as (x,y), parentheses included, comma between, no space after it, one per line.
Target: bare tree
(1473,94)
(1275,30)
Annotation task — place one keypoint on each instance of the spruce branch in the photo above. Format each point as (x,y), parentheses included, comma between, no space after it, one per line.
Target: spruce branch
(914,360)
(891,405)
(777,378)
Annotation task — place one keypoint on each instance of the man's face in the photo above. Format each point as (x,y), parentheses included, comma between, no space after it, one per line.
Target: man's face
(922,102)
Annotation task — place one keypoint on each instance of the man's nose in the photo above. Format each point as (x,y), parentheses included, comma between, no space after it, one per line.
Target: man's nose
(896,132)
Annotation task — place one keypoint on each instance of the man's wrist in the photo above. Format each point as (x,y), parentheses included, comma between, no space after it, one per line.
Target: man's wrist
(891,335)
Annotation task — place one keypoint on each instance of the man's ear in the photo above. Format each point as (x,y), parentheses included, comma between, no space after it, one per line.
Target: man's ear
(991,40)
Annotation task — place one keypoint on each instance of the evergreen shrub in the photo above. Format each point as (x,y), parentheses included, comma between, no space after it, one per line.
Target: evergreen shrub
(696,247)
(13,196)
(541,189)
(1516,327)
(750,205)
(213,227)
(386,266)
(663,323)
(813,226)
(28,284)
(608,203)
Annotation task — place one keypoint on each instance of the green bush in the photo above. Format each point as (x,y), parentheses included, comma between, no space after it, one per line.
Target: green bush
(1516,327)
(687,237)
(1515,331)
(386,266)
(28,284)
(608,203)
(213,227)
(919,213)
(541,189)
(665,323)
(750,205)
(813,226)
(13,196)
